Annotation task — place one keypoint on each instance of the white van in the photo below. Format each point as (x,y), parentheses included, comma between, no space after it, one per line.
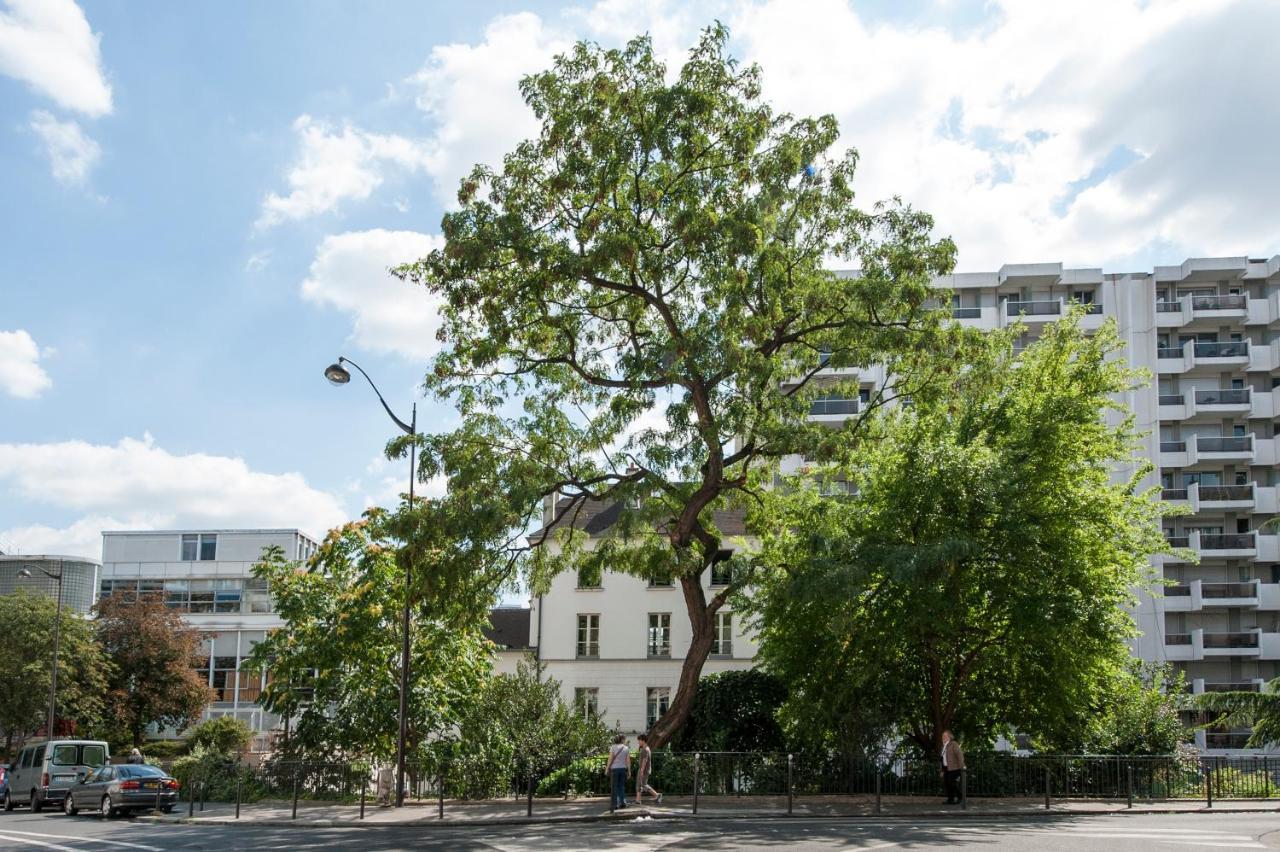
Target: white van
(41,773)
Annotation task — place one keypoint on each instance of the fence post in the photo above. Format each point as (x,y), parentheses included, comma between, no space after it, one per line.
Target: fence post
(364,788)
(697,765)
(191,795)
(964,789)
(295,793)
(440,792)
(529,806)
(790,788)
(877,770)
(204,792)
(1046,788)
(1208,782)
(237,792)
(1130,782)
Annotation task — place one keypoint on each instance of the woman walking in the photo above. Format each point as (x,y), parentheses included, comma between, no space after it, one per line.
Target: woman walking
(619,770)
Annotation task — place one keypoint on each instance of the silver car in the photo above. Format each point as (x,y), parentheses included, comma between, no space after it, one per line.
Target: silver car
(112,790)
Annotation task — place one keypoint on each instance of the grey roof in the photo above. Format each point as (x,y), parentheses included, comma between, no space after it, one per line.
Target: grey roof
(509,628)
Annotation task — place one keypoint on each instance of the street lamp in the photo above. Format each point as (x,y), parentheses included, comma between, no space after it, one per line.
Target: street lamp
(57,632)
(339,375)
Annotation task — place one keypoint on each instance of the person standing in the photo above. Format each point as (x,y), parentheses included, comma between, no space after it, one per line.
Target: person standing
(619,770)
(645,757)
(952,766)
(135,756)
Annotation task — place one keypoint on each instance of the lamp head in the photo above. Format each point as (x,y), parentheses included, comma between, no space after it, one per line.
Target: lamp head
(337,374)
(24,573)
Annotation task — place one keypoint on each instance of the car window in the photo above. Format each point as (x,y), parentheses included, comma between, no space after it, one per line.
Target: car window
(64,755)
(24,760)
(144,771)
(37,757)
(106,773)
(93,755)
(92,776)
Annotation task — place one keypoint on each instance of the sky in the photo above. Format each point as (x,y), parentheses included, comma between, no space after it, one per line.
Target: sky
(200,202)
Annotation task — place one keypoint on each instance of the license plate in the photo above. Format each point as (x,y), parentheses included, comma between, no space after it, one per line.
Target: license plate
(64,778)
(149,785)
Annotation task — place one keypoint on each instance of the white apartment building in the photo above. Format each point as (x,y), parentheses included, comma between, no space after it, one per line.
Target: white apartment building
(1208,331)
(206,575)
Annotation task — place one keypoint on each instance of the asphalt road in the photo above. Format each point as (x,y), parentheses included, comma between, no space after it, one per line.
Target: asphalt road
(21,831)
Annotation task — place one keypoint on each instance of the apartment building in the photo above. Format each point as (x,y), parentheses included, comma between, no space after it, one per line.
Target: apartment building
(1208,332)
(206,575)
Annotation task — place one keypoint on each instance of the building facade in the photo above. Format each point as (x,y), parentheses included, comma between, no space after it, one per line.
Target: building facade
(79,578)
(1208,333)
(206,575)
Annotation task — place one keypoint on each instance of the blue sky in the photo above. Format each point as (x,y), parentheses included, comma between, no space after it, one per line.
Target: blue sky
(201,200)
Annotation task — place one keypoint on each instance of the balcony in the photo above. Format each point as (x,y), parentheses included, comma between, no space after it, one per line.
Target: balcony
(1172,360)
(1223,496)
(1218,739)
(1231,302)
(1198,595)
(1237,351)
(1046,308)
(833,406)
(1230,644)
(1210,401)
(1185,309)
(966,313)
(1219,546)
(1233,686)
(1185,453)
(1231,544)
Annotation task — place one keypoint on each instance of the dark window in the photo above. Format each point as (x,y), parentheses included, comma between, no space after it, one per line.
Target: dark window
(65,755)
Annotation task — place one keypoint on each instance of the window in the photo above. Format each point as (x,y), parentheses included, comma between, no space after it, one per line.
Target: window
(93,755)
(722,568)
(589,577)
(202,547)
(659,582)
(657,700)
(224,678)
(226,595)
(64,755)
(586,700)
(256,596)
(659,634)
(722,641)
(589,635)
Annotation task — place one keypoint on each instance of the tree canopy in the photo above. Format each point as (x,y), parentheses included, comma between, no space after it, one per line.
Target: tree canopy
(978,576)
(735,711)
(637,305)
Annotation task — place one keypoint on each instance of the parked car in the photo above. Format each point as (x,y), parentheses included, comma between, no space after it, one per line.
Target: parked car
(111,790)
(42,772)
(4,781)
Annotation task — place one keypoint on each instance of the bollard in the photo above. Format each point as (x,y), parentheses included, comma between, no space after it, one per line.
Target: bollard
(964,789)
(363,789)
(440,793)
(697,765)
(295,793)
(237,794)
(191,796)
(1130,785)
(1208,783)
(791,762)
(877,788)
(1046,788)
(529,807)
(204,793)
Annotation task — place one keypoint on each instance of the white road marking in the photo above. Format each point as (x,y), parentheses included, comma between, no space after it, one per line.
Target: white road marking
(39,843)
(83,839)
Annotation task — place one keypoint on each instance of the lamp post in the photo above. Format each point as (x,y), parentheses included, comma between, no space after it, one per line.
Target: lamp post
(57,634)
(339,375)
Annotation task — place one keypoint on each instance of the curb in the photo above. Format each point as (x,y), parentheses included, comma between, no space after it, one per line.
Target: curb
(675,816)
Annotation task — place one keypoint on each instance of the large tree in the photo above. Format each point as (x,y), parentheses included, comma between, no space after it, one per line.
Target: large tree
(26,665)
(153,652)
(637,304)
(979,576)
(335,665)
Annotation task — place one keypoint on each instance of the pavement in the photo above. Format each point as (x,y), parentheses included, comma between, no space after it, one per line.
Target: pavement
(559,810)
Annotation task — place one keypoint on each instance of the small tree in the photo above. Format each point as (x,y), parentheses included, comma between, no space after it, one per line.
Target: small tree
(1137,714)
(153,653)
(26,637)
(1257,710)
(225,735)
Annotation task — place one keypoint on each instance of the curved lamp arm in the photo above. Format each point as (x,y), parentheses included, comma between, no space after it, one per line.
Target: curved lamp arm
(408,430)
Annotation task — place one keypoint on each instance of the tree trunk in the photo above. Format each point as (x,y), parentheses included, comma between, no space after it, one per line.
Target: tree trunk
(702,620)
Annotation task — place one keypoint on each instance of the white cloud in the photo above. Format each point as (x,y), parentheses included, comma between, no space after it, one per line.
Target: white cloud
(72,154)
(470,92)
(350,273)
(336,165)
(258,261)
(48,44)
(390,483)
(20,372)
(136,484)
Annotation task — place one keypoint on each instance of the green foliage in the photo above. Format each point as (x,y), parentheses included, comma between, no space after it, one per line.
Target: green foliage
(634,309)
(335,665)
(26,657)
(582,776)
(1257,710)
(979,577)
(153,652)
(224,735)
(165,749)
(1136,714)
(735,711)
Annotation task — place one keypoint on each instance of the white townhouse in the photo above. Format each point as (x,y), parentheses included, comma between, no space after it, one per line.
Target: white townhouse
(1207,330)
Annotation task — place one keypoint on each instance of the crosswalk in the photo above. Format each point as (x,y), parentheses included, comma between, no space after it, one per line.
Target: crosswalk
(43,840)
(1122,831)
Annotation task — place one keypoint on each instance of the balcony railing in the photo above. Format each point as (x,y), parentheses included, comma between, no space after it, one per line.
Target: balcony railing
(966,313)
(1232,686)
(1231,640)
(1229,444)
(1177,591)
(827,406)
(1173,494)
(1225,493)
(1229,302)
(1223,349)
(1215,739)
(1173,446)
(1169,352)
(1032,309)
(1226,590)
(1168,307)
(1172,399)
(1177,639)
(1223,396)
(1178,540)
(1231,541)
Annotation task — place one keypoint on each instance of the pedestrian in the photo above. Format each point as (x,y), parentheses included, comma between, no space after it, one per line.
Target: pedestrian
(952,767)
(135,756)
(619,770)
(644,757)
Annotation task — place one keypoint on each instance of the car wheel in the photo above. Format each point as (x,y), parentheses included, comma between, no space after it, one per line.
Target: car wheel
(69,805)
(8,801)
(105,810)
(36,804)
(168,809)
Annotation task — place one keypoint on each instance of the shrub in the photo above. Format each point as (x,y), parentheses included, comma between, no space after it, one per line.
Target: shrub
(582,776)
(223,734)
(165,749)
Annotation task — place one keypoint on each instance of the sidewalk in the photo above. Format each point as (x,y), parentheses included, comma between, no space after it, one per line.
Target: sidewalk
(509,811)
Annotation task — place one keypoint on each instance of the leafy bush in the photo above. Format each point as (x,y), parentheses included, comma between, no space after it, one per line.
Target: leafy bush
(583,776)
(223,734)
(165,749)
(734,711)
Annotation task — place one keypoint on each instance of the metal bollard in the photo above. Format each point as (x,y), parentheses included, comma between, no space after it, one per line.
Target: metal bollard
(204,793)
(529,807)
(697,765)
(238,794)
(964,789)
(1046,788)
(364,788)
(440,792)
(295,793)
(1130,784)
(1208,783)
(191,796)
(791,762)
(877,766)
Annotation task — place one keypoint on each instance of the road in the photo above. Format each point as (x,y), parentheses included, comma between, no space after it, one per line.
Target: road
(26,832)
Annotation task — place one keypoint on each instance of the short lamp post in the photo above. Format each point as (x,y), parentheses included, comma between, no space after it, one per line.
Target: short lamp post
(57,634)
(337,374)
